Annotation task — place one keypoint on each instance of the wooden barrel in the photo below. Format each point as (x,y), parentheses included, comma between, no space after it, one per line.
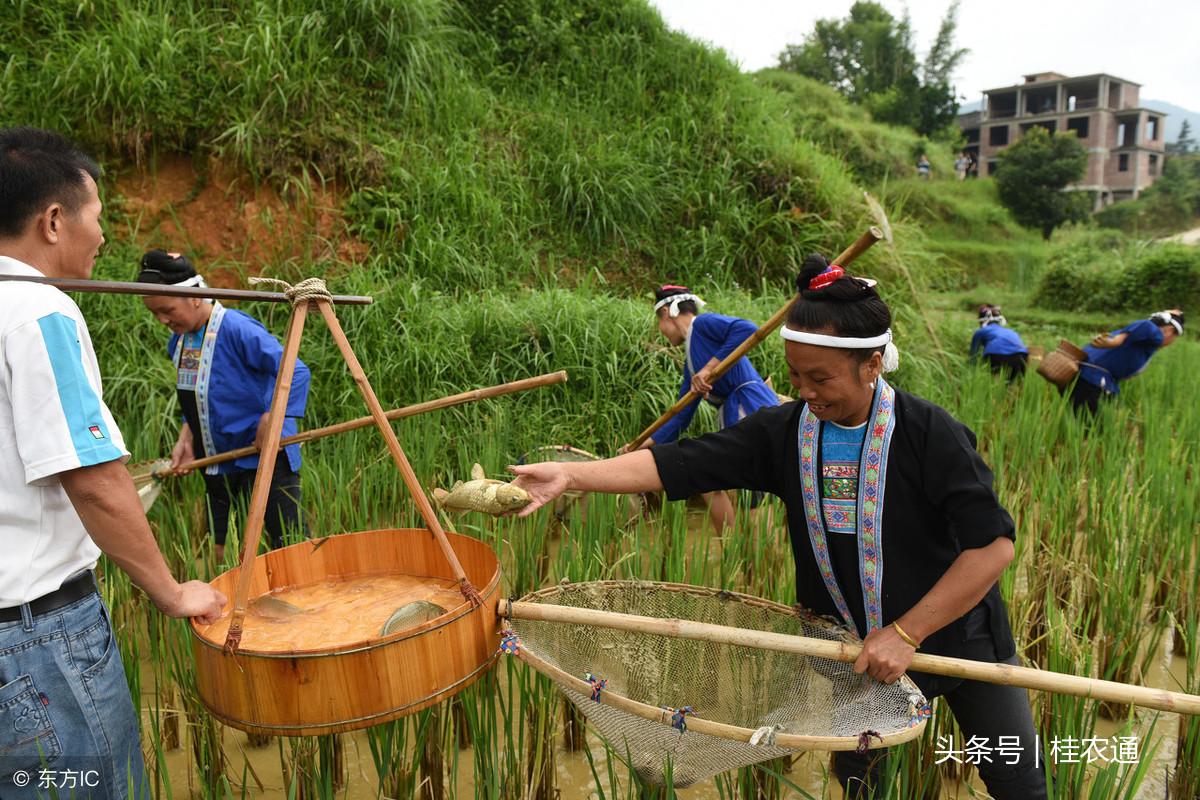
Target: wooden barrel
(349,676)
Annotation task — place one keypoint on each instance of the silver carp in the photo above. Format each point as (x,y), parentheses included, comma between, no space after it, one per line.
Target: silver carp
(482,494)
(410,615)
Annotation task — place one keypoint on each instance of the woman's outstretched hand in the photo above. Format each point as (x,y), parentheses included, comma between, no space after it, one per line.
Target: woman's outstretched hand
(544,481)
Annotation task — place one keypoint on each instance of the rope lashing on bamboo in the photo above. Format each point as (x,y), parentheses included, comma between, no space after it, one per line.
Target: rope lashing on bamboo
(303,292)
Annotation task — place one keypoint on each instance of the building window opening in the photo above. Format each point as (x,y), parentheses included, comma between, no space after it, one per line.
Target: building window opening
(1153,166)
(998,135)
(1079,125)
(1123,162)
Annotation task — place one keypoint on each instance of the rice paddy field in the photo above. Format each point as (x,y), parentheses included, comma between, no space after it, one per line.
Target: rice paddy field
(508,181)
(1104,583)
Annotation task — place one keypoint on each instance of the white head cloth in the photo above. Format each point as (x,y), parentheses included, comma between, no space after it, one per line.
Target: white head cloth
(992,317)
(195,280)
(674,300)
(1165,318)
(891,356)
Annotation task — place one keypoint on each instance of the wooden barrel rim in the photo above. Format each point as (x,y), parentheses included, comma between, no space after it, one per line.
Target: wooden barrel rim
(451,615)
(329,687)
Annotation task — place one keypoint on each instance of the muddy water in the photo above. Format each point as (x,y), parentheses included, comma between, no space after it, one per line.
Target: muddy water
(332,614)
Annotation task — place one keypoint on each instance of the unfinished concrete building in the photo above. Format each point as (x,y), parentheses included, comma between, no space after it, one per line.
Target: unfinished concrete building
(1124,141)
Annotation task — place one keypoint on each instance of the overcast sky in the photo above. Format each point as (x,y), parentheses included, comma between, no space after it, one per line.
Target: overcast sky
(1151,42)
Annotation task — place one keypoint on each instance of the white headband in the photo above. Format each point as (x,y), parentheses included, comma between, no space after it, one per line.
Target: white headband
(1165,318)
(674,300)
(195,280)
(845,342)
(891,356)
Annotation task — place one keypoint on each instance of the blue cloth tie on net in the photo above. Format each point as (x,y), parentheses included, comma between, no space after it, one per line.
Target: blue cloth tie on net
(510,644)
(598,684)
(679,717)
(920,714)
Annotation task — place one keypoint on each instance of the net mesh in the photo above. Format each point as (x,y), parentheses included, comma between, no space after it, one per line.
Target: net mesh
(770,692)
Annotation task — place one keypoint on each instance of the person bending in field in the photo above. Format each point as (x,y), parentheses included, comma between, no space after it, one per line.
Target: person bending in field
(1121,354)
(999,344)
(225,368)
(707,339)
(894,525)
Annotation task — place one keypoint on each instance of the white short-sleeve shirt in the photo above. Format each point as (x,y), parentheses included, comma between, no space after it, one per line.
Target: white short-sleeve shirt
(52,419)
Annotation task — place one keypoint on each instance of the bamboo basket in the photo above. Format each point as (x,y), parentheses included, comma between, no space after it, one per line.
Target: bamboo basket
(353,683)
(1060,366)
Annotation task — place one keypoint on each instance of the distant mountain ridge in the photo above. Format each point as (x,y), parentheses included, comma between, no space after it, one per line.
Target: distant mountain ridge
(1175,116)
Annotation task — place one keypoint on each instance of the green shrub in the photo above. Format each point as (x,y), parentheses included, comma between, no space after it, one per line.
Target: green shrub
(1103,271)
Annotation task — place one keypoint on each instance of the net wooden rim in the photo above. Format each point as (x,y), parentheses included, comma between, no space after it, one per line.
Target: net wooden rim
(699,724)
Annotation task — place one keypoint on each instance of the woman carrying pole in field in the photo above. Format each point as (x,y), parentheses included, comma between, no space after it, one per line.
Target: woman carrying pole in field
(707,339)
(1115,356)
(225,365)
(894,525)
(1001,346)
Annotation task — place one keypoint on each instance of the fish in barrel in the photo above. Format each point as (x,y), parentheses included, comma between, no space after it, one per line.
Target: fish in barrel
(482,494)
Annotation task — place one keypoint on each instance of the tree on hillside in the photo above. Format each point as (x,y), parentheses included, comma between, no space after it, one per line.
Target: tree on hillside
(1034,172)
(869,58)
(1185,144)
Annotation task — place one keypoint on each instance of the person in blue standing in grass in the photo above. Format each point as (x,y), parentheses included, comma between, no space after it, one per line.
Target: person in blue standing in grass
(1118,355)
(707,339)
(226,363)
(999,344)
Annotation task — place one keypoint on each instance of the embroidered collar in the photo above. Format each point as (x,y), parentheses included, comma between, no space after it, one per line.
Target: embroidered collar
(872,473)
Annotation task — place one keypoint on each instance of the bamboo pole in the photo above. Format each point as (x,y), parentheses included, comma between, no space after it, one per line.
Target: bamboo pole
(397,413)
(389,436)
(266,470)
(1003,674)
(160,290)
(860,246)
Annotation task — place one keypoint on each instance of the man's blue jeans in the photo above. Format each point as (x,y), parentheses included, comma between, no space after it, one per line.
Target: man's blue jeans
(67,724)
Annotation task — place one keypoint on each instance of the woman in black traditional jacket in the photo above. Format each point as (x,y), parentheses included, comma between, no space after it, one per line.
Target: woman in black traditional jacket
(894,525)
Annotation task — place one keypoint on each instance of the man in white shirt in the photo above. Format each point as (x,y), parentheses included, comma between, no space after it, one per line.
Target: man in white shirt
(65,496)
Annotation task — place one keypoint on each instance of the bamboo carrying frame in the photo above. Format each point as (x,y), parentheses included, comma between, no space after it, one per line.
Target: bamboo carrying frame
(364,683)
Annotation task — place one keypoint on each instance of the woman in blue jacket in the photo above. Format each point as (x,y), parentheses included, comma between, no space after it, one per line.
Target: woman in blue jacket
(707,339)
(1001,346)
(226,363)
(1115,356)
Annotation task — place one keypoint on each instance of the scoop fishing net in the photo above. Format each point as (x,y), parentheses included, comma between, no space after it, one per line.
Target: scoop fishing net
(145,480)
(681,710)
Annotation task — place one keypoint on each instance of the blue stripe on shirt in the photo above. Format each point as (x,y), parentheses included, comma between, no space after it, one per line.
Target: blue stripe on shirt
(80,404)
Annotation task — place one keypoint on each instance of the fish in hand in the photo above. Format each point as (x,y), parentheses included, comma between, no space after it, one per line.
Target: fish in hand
(482,494)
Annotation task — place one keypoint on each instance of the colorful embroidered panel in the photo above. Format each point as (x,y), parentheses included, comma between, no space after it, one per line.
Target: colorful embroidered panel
(190,345)
(203,371)
(872,473)
(841,451)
